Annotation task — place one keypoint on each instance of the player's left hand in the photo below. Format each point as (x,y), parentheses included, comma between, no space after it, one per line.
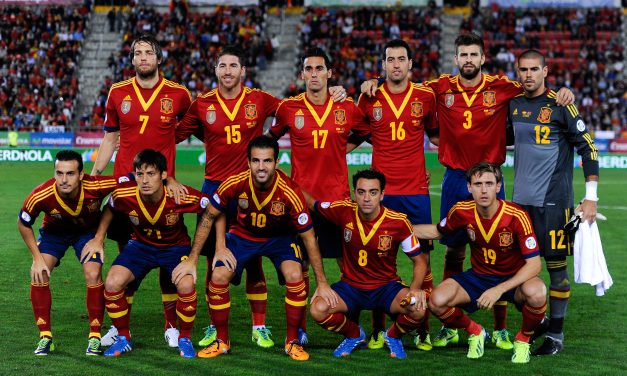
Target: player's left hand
(419,297)
(337,93)
(564,97)
(92,248)
(329,295)
(185,267)
(175,189)
(488,298)
(588,209)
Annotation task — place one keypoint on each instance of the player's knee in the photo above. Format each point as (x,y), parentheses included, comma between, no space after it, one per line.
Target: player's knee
(319,309)
(221,275)
(535,292)
(114,283)
(185,285)
(92,275)
(293,275)
(437,302)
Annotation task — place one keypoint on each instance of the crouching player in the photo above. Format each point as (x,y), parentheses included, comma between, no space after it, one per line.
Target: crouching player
(372,235)
(270,212)
(71,206)
(505,263)
(159,240)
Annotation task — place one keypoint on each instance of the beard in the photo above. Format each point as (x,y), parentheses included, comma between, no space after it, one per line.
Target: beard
(469,75)
(146,74)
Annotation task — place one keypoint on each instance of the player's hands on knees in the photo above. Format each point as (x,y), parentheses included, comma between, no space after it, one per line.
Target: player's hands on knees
(324,291)
(92,248)
(337,93)
(175,189)
(488,298)
(226,256)
(588,210)
(185,267)
(564,97)
(38,270)
(416,300)
(369,87)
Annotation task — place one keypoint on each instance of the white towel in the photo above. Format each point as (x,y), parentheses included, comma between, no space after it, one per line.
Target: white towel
(590,265)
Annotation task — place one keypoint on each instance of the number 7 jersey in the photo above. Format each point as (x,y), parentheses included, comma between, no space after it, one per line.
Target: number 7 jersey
(145,118)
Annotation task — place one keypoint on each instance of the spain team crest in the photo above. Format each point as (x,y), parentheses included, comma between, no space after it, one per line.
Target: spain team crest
(250,111)
(545,115)
(449,100)
(93,207)
(210,116)
(505,239)
(278,208)
(416,109)
(385,242)
(489,98)
(167,105)
(340,117)
(171,219)
(348,234)
(125,107)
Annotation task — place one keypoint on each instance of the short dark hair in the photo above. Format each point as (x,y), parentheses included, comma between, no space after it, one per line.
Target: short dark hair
(234,51)
(468,39)
(483,167)
(70,155)
(532,54)
(151,40)
(370,175)
(150,157)
(395,43)
(316,52)
(263,142)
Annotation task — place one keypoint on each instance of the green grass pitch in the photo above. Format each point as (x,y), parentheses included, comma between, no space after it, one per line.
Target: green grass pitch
(595,331)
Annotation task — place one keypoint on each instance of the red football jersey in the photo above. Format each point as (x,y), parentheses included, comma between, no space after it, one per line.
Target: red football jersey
(263,214)
(397,125)
(159,224)
(472,120)
(370,247)
(319,135)
(498,246)
(145,118)
(77,215)
(228,126)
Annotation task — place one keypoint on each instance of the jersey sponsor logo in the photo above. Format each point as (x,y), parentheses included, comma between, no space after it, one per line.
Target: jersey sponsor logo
(581,126)
(471,234)
(93,206)
(243,203)
(545,115)
(505,239)
(416,109)
(55,214)
(325,205)
(171,219)
(530,242)
(204,202)
(125,107)
(449,99)
(350,225)
(250,111)
(167,105)
(277,208)
(299,119)
(134,219)
(489,98)
(26,217)
(348,234)
(385,242)
(340,117)
(303,218)
(216,198)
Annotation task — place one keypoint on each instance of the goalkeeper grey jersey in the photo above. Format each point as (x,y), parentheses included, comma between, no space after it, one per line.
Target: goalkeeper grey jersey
(545,138)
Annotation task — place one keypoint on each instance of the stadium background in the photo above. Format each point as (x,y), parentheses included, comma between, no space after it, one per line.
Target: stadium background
(59,57)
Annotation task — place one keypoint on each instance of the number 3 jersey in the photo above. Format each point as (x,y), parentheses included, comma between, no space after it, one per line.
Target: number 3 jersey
(278,211)
(158,224)
(370,247)
(546,135)
(499,245)
(145,118)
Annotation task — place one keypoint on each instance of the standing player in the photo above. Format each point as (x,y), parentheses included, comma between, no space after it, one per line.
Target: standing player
(505,263)
(159,240)
(71,206)
(372,236)
(399,114)
(472,117)
(270,211)
(142,111)
(229,117)
(545,137)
